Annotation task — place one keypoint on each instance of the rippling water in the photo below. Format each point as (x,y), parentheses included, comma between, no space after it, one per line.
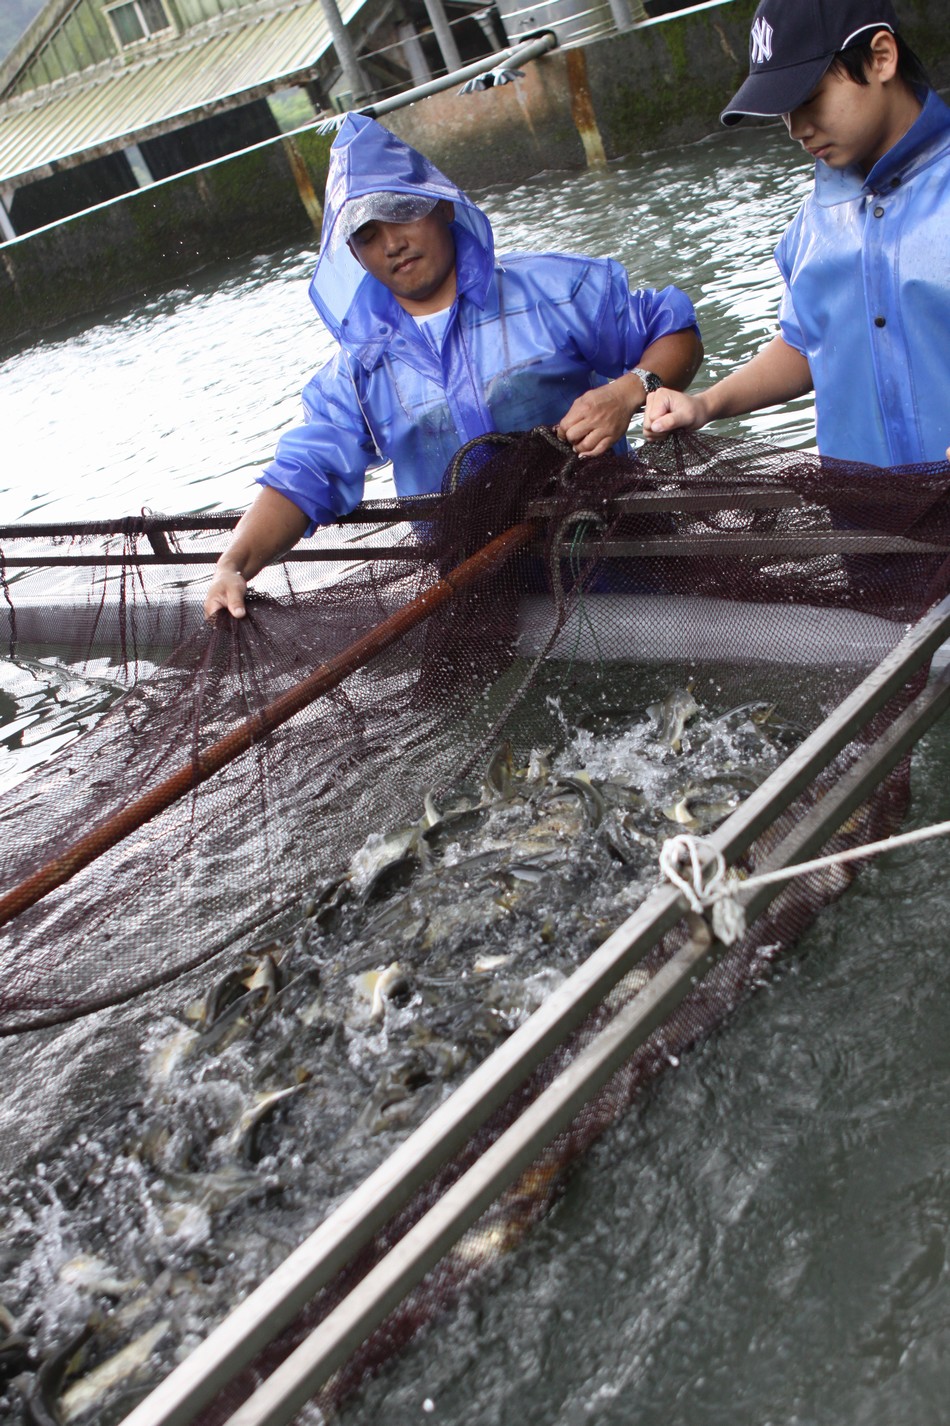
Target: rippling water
(765,1241)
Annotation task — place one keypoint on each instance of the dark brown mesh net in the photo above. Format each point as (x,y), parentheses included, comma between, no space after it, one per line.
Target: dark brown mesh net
(314,865)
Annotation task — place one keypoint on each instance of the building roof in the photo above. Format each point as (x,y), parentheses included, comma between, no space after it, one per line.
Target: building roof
(233,59)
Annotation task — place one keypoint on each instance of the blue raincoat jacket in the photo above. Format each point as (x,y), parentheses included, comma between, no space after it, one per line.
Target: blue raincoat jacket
(525,337)
(867,267)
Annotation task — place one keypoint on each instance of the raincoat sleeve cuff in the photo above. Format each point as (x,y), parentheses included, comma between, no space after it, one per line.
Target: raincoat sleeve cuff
(654,314)
(273,476)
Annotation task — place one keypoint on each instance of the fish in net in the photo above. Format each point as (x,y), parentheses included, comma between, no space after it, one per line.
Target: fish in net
(322,911)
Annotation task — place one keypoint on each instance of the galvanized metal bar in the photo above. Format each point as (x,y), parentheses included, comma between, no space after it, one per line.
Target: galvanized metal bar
(423,507)
(851,789)
(210,557)
(712,497)
(420,507)
(715,546)
(514,55)
(722,545)
(274,1304)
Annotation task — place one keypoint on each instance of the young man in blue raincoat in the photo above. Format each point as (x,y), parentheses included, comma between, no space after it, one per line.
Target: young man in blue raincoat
(865,314)
(441,342)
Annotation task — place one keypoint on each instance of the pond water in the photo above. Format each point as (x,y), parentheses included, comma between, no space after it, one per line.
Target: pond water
(765,1240)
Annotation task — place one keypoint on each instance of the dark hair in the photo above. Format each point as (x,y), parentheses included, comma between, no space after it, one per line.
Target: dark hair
(855,62)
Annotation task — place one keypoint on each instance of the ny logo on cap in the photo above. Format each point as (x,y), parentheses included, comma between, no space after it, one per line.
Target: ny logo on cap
(761,41)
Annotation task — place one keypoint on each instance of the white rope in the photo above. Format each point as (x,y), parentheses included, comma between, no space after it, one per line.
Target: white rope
(701,891)
(718,892)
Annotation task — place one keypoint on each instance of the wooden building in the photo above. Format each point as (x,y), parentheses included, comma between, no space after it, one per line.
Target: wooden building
(102,97)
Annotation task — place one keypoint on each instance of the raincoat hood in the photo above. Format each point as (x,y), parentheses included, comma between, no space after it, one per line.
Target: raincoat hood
(366,158)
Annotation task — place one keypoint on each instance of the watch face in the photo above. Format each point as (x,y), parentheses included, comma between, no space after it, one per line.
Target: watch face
(651,381)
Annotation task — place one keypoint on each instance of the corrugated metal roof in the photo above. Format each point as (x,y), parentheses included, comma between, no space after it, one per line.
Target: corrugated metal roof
(111,106)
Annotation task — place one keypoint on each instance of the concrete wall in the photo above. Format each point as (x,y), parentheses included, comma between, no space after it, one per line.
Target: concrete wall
(663,83)
(150,240)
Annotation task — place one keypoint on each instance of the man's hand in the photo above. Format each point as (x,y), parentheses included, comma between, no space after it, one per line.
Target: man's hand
(775,374)
(599,419)
(227,591)
(264,532)
(668,411)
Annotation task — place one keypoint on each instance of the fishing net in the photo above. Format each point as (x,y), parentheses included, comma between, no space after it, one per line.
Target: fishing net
(301,872)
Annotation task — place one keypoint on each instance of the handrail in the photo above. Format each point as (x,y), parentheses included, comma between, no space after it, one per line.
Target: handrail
(425,507)
(718,546)
(500,62)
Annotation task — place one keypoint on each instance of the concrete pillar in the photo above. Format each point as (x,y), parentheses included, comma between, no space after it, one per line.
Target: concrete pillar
(486,23)
(7,230)
(345,52)
(414,53)
(450,55)
(627,13)
(143,175)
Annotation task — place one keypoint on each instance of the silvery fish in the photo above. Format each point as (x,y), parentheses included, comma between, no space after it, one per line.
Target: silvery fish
(90,1389)
(498,782)
(384,986)
(591,797)
(254,1113)
(671,716)
(698,809)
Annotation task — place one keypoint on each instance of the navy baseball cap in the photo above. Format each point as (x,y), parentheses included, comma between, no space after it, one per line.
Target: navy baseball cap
(792,44)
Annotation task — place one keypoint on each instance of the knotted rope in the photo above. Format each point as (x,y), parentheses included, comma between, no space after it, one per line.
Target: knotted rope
(697,868)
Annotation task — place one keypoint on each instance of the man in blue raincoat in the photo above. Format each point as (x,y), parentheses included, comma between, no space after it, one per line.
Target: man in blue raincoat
(865,309)
(440,342)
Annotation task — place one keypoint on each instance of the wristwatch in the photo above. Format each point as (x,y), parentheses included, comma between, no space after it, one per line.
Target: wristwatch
(651,382)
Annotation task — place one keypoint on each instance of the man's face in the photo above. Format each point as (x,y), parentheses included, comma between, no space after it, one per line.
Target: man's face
(416,260)
(844,123)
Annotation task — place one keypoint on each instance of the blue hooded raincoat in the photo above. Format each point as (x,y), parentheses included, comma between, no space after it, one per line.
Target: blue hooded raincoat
(867,301)
(525,337)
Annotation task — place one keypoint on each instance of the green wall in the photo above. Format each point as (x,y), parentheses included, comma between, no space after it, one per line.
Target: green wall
(152,239)
(83,39)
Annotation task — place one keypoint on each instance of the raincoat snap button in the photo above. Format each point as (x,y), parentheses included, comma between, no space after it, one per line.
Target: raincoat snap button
(879,212)
(880,321)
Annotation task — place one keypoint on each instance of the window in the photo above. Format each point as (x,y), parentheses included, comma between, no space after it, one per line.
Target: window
(137,20)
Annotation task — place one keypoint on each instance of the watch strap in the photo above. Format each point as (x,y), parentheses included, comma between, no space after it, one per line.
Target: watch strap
(651,382)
